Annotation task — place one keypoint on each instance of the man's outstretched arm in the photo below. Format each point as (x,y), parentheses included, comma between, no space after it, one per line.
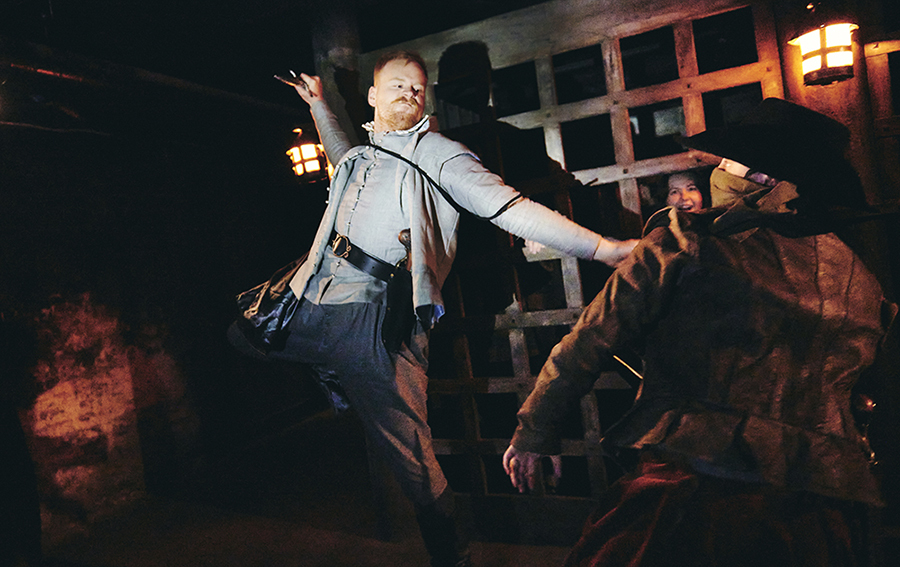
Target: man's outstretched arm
(333,138)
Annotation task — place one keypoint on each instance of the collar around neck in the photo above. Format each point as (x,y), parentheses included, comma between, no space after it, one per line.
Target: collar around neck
(421,125)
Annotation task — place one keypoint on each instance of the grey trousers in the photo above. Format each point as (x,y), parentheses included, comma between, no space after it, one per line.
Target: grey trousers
(388,392)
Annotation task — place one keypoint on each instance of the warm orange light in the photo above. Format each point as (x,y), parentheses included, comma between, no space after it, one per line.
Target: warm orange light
(839,59)
(808,42)
(812,64)
(308,151)
(826,53)
(308,159)
(838,35)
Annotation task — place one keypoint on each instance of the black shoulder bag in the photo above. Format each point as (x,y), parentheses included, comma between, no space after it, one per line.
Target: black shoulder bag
(265,311)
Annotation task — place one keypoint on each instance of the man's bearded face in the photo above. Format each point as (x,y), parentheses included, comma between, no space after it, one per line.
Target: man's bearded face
(398,96)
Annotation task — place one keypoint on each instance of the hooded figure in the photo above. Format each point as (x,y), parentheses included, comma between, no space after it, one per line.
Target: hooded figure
(787,162)
(754,323)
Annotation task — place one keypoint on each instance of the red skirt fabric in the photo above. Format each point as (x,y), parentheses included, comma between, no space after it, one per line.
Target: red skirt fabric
(667,515)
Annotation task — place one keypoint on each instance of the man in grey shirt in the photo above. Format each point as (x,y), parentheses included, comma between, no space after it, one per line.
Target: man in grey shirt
(375,195)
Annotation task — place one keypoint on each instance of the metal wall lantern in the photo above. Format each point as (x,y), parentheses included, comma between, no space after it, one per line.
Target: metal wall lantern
(826,49)
(308,159)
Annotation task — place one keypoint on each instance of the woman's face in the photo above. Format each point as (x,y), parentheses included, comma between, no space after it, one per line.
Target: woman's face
(683,193)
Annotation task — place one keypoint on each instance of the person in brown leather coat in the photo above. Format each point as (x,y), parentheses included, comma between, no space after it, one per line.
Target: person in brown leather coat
(754,322)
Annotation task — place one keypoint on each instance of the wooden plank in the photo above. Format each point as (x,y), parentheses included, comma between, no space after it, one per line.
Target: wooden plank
(553,141)
(718,80)
(684,50)
(630,197)
(766,36)
(767,49)
(664,17)
(879,74)
(621,133)
(501,385)
(518,348)
(554,27)
(463,361)
(478,471)
(590,418)
(447,386)
(889,152)
(511,385)
(543,67)
(694,115)
(545,253)
(548,318)
(882,47)
(644,168)
(572,283)
(612,65)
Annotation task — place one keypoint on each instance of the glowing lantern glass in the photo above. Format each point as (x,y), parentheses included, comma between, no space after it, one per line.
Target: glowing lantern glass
(308,159)
(826,52)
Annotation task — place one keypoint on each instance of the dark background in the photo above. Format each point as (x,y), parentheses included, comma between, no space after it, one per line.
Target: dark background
(230,45)
(142,162)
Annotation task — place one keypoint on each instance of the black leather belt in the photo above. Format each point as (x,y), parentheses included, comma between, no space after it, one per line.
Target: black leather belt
(343,248)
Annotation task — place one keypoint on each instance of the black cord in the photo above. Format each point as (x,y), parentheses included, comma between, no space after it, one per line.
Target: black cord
(459,208)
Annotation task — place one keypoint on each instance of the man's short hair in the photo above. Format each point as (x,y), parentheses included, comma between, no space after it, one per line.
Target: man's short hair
(401,55)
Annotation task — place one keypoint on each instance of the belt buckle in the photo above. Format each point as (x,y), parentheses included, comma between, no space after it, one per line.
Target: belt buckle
(336,244)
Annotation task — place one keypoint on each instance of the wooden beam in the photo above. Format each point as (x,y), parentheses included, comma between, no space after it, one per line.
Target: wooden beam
(726,78)
(645,168)
(684,50)
(768,51)
(879,74)
(535,31)
(882,47)
(526,319)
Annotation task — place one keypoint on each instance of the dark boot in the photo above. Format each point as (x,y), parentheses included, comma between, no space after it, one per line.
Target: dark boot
(447,544)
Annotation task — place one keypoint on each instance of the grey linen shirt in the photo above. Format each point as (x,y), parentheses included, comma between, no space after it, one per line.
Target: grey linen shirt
(379,196)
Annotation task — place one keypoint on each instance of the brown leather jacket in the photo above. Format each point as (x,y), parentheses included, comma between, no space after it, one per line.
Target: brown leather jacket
(751,341)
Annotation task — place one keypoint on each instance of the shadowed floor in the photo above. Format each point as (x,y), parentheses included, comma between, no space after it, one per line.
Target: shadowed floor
(300,497)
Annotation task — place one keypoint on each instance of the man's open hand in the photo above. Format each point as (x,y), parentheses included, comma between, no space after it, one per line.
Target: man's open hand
(523,468)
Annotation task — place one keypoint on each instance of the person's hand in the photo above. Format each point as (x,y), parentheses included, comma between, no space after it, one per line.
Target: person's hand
(313,92)
(533,247)
(523,468)
(613,252)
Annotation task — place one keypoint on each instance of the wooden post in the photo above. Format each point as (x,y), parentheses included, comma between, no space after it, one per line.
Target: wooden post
(335,41)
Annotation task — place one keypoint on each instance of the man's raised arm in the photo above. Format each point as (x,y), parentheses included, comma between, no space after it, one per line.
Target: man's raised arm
(333,138)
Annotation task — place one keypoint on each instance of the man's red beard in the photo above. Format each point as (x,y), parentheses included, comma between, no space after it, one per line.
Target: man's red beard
(402,117)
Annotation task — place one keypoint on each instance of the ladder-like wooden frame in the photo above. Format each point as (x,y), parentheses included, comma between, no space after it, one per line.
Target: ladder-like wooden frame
(557,27)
